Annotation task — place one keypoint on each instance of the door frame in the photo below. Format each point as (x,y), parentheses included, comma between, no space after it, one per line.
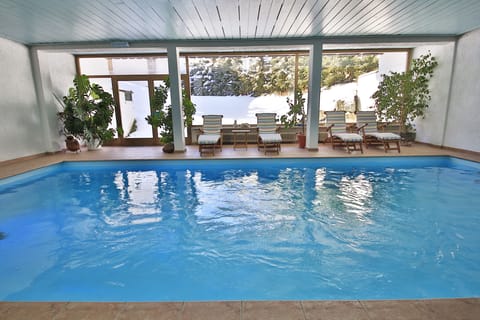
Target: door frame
(154,140)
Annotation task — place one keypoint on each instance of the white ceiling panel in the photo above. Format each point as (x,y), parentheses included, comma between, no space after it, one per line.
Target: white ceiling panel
(73,21)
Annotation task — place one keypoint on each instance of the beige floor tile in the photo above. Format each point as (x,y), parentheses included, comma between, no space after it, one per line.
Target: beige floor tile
(272,310)
(89,311)
(457,309)
(27,311)
(228,310)
(150,311)
(334,310)
(397,310)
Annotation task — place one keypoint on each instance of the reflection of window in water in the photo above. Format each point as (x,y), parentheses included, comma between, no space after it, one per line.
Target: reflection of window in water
(249,201)
(139,190)
(355,194)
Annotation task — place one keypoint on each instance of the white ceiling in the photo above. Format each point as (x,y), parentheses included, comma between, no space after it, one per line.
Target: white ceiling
(90,21)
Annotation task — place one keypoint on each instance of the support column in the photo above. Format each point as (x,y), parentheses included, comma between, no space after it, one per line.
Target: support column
(176,98)
(42,85)
(313,103)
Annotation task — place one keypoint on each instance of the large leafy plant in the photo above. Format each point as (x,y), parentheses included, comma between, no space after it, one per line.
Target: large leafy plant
(161,114)
(88,111)
(296,115)
(404,96)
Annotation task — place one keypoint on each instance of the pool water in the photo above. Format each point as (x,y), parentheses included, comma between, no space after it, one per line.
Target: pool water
(263,229)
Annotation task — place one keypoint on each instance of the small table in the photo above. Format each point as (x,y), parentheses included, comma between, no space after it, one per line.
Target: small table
(243,142)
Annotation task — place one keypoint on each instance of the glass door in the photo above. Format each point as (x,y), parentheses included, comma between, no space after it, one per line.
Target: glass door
(134,103)
(133,95)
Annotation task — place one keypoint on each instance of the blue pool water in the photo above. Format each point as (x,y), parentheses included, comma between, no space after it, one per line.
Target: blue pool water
(368,228)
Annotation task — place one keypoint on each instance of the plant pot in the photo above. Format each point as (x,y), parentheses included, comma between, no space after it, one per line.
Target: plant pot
(72,144)
(302,140)
(408,137)
(94,145)
(169,148)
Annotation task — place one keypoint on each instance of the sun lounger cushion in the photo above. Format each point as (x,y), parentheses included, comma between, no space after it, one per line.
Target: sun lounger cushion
(208,138)
(271,137)
(349,137)
(384,135)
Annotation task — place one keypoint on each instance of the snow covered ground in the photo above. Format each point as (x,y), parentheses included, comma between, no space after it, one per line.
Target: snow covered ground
(243,108)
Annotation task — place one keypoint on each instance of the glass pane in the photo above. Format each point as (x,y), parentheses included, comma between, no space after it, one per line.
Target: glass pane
(134,107)
(240,87)
(127,65)
(94,66)
(349,80)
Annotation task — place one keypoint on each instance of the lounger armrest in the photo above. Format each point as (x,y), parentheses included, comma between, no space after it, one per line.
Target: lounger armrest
(362,128)
(382,126)
(329,128)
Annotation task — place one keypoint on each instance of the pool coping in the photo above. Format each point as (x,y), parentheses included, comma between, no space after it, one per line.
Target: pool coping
(14,167)
(434,309)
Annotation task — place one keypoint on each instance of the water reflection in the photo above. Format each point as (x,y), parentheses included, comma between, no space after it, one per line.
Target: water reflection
(138,192)
(241,200)
(356,194)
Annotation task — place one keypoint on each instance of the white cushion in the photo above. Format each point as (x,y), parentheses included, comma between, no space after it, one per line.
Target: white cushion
(270,137)
(384,135)
(349,137)
(208,138)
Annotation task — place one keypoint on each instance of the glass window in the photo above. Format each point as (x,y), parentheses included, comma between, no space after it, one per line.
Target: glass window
(349,80)
(241,86)
(127,65)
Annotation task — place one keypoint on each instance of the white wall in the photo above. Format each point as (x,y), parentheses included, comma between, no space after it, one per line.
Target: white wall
(28,121)
(20,122)
(463,118)
(55,75)
(431,128)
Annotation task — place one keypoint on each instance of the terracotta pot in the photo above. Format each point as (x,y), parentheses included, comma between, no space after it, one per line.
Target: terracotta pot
(302,140)
(72,144)
(169,148)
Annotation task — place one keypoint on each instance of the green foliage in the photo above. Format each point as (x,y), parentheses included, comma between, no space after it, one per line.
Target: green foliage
(189,109)
(296,115)
(233,76)
(161,115)
(404,96)
(88,111)
(133,128)
(337,69)
(256,76)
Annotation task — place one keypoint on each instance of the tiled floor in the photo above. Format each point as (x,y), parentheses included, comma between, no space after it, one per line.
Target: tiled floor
(244,310)
(8,168)
(447,309)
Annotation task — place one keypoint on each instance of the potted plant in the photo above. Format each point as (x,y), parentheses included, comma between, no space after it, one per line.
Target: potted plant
(161,115)
(88,112)
(296,116)
(403,96)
